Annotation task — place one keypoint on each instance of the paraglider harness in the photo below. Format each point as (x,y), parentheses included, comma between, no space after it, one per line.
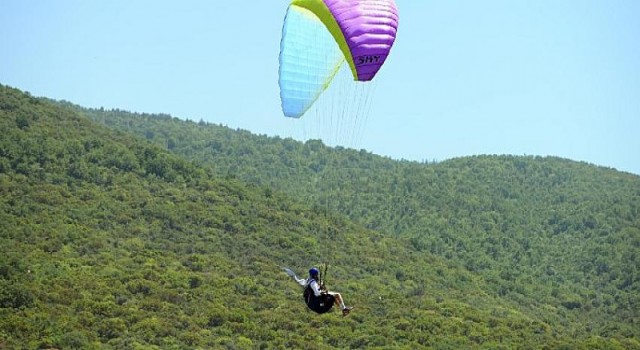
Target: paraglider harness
(322,303)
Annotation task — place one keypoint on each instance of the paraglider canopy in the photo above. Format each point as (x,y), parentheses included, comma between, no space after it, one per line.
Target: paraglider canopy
(319,35)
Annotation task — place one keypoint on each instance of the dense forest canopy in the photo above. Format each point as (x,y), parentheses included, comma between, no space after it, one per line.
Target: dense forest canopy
(124,230)
(537,227)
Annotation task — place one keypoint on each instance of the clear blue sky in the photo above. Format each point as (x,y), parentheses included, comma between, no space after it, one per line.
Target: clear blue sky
(544,77)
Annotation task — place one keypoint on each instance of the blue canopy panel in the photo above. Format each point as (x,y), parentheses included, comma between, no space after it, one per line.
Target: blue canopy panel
(309,60)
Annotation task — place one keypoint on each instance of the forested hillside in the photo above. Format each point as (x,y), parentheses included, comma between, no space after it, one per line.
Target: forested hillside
(110,241)
(544,232)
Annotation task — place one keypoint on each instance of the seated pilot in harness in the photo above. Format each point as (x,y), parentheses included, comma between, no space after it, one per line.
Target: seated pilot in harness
(316,296)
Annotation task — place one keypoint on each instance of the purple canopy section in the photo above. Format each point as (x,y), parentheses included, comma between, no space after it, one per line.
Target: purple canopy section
(369,27)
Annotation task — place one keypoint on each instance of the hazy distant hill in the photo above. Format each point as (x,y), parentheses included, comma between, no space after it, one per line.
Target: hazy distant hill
(543,231)
(109,241)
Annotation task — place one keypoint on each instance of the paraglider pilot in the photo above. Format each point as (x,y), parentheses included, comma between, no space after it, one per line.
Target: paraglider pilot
(316,296)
